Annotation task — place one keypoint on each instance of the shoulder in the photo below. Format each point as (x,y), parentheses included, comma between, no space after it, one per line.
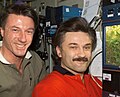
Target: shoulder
(38,65)
(50,86)
(54,79)
(53,82)
(34,54)
(95,81)
(35,57)
(36,62)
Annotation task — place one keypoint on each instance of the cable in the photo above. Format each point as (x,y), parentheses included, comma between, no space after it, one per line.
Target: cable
(95,57)
(96,82)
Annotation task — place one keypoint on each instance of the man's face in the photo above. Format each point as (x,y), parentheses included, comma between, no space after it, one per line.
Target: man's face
(75,52)
(17,35)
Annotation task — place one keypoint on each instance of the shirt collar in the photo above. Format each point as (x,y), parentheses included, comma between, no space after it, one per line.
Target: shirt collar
(62,70)
(28,55)
(3,60)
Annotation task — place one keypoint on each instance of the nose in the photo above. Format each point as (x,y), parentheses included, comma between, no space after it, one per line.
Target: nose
(81,52)
(22,36)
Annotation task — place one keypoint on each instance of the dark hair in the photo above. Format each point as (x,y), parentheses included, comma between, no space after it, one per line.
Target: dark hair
(75,24)
(19,9)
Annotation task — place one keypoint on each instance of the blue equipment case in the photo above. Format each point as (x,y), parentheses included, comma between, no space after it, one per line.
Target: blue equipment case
(65,12)
(111,13)
(56,15)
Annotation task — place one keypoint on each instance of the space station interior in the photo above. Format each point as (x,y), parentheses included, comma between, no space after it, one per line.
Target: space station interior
(102,15)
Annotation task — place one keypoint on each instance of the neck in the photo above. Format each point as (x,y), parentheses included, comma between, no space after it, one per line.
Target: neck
(75,72)
(12,59)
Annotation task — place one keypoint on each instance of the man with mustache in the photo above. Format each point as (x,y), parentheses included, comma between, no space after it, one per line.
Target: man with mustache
(74,42)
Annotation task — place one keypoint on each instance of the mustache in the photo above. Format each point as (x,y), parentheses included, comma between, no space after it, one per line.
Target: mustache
(81,59)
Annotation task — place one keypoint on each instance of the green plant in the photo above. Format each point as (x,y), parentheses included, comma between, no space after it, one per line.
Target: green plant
(113,45)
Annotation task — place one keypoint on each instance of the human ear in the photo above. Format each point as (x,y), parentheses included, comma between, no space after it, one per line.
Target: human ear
(1,31)
(58,50)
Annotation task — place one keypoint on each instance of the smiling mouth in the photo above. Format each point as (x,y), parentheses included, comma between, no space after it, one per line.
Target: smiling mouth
(20,46)
(81,62)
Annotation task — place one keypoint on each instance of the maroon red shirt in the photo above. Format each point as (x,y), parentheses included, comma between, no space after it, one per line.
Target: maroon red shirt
(57,84)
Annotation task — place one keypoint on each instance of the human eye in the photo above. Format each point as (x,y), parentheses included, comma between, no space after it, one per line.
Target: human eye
(73,47)
(30,31)
(88,47)
(15,30)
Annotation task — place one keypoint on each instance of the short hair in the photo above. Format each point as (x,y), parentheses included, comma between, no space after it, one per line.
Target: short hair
(75,24)
(19,9)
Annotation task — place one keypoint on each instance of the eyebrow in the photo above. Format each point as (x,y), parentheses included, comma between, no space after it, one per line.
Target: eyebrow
(88,44)
(72,44)
(77,44)
(20,28)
